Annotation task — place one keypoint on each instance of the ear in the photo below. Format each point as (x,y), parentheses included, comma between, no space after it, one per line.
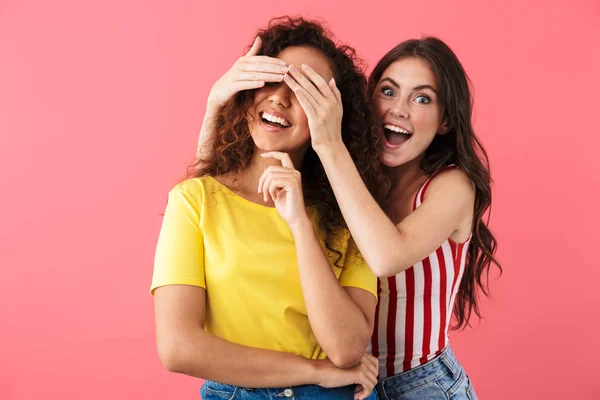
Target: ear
(444,128)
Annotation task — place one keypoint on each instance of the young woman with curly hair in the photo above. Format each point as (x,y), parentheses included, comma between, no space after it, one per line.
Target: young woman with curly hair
(258,286)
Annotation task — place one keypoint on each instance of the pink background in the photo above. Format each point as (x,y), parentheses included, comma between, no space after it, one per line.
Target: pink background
(100,105)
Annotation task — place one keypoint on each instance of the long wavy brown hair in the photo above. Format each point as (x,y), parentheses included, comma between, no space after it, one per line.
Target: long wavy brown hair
(232,148)
(461,147)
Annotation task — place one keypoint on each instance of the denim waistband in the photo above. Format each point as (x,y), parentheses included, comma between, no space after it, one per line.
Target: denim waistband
(426,373)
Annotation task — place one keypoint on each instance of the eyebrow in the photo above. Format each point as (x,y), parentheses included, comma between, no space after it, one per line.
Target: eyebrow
(420,87)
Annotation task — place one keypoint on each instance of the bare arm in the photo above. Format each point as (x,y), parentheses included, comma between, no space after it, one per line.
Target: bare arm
(184,347)
(341,318)
(206,132)
(388,248)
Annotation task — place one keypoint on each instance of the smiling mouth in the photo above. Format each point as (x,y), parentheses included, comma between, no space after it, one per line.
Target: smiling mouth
(395,135)
(274,121)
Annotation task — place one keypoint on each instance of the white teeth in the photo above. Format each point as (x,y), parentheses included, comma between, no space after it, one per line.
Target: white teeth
(397,129)
(278,120)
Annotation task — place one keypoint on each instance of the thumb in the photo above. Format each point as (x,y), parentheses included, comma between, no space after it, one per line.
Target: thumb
(255,47)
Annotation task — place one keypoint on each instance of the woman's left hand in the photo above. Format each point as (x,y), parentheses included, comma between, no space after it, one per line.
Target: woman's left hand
(283,184)
(322,103)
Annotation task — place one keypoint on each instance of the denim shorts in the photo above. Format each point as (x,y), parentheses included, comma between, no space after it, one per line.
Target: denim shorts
(218,391)
(442,378)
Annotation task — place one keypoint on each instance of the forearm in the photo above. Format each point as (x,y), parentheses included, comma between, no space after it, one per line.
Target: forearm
(206,132)
(338,323)
(376,236)
(205,356)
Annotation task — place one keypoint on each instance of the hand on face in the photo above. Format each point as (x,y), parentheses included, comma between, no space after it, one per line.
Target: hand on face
(322,103)
(248,72)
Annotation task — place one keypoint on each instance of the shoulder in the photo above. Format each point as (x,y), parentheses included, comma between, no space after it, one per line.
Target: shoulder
(193,187)
(190,193)
(450,186)
(450,181)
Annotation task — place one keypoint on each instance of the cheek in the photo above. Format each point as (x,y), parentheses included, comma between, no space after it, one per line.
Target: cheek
(380,109)
(301,121)
(426,121)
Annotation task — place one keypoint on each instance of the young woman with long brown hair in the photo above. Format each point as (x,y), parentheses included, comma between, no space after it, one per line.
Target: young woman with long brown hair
(428,239)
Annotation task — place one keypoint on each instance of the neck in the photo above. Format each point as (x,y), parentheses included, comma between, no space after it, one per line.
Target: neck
(404,177)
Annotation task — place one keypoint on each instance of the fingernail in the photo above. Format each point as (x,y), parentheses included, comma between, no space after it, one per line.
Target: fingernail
(304,66)
(284,68)
(292,68)
(282,62)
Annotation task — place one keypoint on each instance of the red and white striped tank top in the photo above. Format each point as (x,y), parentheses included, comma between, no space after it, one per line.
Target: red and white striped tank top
(415,306)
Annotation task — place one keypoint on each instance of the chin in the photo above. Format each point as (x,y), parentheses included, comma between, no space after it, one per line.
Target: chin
(390,160)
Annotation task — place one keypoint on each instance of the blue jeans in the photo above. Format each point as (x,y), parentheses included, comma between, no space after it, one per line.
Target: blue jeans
(218,391)
(441,378)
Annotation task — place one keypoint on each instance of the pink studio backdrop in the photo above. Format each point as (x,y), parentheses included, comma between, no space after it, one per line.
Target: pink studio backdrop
(100,105)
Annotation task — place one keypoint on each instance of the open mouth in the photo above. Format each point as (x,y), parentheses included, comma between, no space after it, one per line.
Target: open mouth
(274,120)
(395,135)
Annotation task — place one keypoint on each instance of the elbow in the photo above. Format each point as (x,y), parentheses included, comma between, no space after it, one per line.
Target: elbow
(346,359)
(172,357)
(384,267)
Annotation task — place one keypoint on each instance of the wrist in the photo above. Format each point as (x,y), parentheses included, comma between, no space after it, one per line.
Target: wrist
(300,225)
(330,151)
(211,109)
(317,372)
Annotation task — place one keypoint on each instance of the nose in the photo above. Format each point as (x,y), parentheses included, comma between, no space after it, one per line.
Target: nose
(400,109)
(281,95)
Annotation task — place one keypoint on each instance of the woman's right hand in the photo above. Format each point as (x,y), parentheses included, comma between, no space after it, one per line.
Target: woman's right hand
(249,72)
(364,374)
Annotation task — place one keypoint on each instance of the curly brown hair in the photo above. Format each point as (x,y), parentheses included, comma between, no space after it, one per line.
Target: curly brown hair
(461,147)
(232,147)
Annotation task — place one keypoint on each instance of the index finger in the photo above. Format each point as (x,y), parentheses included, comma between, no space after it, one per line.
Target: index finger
(285,159)
(318,81)
(263,59)
(255,47)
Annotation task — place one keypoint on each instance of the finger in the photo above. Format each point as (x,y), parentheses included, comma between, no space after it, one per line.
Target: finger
(306,101)
(307,104)
(266,183)
(358,390)
(264,67)
(362,393)
(265,187)
(263,59)
(270,176)
(318,81)
(372,377)
(305,84)
(278,183)
(335,90)
(285,159)
(255,47)
(262,179)
(247,85)
(258,76)
(373,364)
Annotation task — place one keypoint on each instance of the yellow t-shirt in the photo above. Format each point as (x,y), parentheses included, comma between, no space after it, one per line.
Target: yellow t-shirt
(244,255)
